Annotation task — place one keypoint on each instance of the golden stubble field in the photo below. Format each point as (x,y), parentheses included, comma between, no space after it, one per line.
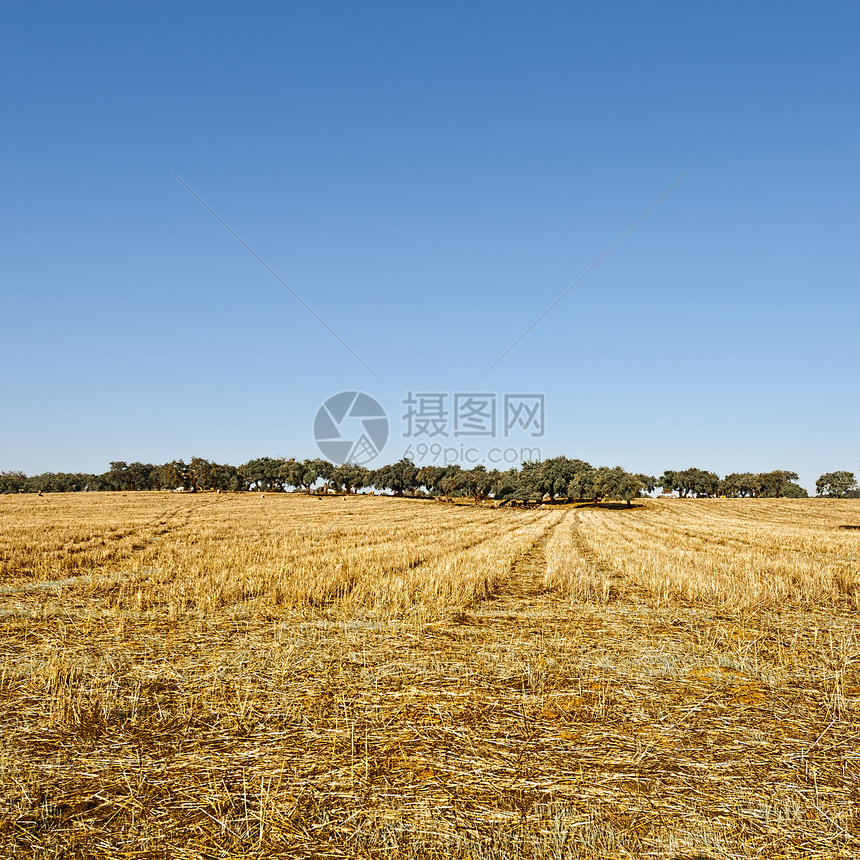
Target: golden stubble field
(231,676)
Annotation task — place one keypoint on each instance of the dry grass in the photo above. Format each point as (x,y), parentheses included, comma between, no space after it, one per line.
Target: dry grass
(734,553)
(226,676)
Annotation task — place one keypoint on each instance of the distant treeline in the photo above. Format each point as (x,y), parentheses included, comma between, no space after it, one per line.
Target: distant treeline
(553,479)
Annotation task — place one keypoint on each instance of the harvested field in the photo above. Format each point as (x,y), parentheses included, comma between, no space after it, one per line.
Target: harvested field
(230,676)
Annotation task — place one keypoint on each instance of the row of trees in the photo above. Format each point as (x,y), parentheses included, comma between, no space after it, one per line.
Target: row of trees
(699,483)
(558,477)
(555,478)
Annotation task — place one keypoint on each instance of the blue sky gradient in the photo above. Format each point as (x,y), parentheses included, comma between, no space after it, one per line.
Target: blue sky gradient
(429,178)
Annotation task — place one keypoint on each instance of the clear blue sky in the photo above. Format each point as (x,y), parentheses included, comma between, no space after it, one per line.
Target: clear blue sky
(429,178)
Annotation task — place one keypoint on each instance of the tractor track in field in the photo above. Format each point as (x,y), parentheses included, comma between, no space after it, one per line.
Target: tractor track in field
(525,587)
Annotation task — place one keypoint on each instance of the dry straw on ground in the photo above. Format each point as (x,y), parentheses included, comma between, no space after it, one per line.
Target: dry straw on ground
(230,676)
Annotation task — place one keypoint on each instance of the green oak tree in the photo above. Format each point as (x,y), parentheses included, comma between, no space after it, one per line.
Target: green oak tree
(836,484)
(400,477)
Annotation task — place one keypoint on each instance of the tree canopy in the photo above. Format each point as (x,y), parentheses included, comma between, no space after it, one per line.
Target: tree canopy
(399,477)
(837,484)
